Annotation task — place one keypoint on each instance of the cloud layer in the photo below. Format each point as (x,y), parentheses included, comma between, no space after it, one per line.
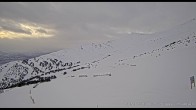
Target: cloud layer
(12,29)
(70,23)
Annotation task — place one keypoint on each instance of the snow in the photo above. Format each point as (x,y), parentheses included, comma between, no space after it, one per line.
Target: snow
(136,71)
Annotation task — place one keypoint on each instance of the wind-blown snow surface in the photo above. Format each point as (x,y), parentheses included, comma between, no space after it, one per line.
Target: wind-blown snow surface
(136,71)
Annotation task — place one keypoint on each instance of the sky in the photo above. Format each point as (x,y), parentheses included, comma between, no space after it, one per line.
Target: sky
(52,26)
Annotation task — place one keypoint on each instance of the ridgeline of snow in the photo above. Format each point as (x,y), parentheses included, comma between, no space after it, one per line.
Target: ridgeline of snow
(141,70)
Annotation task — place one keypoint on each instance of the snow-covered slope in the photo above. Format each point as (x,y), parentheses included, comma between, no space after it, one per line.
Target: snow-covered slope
(135,71)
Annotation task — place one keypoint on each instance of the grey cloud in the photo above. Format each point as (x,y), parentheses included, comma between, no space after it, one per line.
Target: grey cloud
(41,31)
(17,30)
(64,15)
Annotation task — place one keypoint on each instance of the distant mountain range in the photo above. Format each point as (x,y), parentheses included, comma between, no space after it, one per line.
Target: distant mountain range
(8,57)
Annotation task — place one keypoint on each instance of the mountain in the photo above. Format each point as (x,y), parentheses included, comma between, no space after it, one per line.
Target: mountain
(6,57)
(141,70)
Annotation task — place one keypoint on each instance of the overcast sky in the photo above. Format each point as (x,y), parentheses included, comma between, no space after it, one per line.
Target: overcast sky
(53,26)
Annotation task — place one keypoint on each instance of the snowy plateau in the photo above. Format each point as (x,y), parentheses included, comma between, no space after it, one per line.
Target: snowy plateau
(140,70)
